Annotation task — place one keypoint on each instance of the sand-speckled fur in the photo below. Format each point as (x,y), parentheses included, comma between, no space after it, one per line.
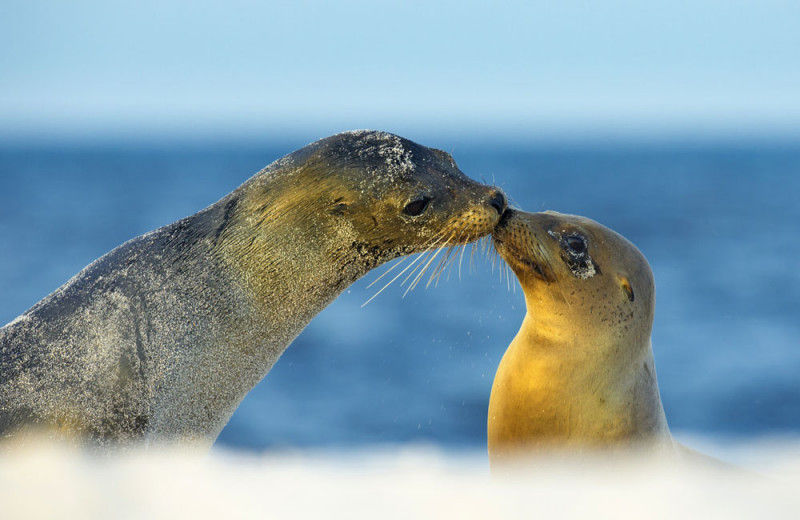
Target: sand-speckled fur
(160,339)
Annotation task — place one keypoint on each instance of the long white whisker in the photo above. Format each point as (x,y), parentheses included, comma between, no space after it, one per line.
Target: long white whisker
(389,270)
(424,256)
(440,267)
(453,260)
(422,272)
(394,279)
(461,260)
(472,258)
(456,237)
(428,248)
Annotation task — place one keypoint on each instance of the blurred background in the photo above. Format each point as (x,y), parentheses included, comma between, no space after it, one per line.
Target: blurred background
(675,123)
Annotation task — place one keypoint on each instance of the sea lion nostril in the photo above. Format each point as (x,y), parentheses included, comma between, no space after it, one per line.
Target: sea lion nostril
(498,202)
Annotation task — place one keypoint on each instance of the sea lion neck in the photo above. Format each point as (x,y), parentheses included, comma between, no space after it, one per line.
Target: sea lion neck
(545,336)
(281,257)
(552,392)
(547,328)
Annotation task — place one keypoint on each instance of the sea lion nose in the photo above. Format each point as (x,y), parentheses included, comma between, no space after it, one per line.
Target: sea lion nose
(498,201)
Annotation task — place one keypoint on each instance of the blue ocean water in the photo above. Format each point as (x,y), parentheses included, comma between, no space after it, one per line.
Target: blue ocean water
(719,225)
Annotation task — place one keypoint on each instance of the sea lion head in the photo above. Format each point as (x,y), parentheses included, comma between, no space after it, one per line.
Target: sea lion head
(580,275)
(343,205)
(398,196)
(373,193)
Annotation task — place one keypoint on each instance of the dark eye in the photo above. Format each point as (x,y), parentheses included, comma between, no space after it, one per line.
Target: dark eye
(576,244)
(417,207)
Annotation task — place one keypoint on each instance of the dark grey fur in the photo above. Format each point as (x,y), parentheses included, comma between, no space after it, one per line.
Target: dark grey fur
(160,339)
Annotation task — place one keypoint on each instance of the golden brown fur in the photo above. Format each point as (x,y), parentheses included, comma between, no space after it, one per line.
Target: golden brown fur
(580,374)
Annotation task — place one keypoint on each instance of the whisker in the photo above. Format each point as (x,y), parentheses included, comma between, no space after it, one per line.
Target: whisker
(461,261)
(431,248)
(456,237)
(453,259)
(472,258)
(395,278)
(447,265)
(424,256)
(431,252)
(441,266)
(389,270)
(421,273)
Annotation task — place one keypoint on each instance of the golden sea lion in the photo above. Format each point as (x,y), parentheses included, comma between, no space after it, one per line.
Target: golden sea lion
(160,339)
(579,375)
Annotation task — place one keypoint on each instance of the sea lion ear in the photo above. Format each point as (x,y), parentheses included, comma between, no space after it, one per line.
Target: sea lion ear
(626,286)
(338,207)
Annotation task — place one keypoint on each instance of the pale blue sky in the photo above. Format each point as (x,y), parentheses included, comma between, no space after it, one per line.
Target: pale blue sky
(188,68)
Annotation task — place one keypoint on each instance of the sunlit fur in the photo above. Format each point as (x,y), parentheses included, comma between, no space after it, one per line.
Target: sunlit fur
(580,373)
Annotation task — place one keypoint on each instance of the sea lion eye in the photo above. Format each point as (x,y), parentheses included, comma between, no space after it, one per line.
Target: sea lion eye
(417,207)
(576,254)
(575,244)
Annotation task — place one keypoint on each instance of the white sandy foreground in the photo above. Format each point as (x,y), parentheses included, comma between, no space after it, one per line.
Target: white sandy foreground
(48,481)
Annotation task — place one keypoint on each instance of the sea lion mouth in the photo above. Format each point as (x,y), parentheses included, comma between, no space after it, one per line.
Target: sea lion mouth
(521,263)
(499,202)
(501,232)
(536,268)
(521,260)
(505,216)
(517,260)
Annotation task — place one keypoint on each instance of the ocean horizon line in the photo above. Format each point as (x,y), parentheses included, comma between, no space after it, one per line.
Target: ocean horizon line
(475,138)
